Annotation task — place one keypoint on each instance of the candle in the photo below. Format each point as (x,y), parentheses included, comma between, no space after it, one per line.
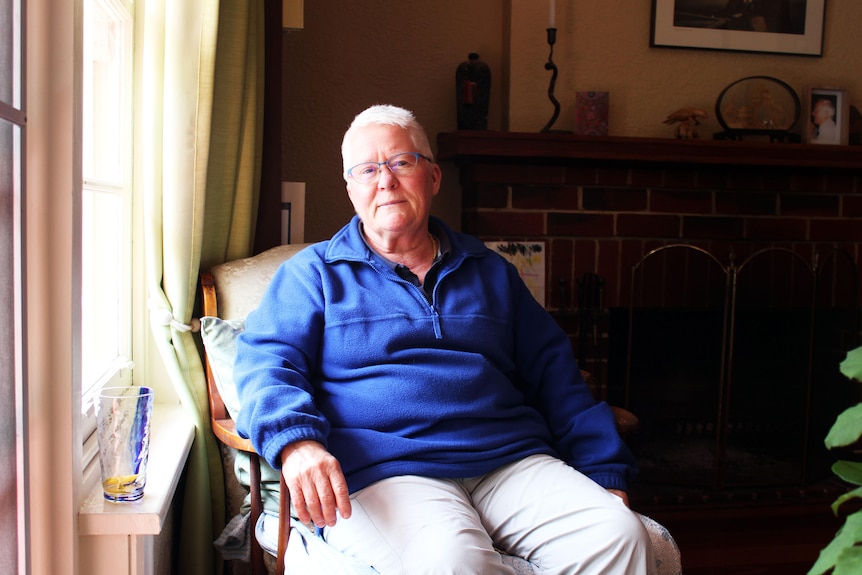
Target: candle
(551,16)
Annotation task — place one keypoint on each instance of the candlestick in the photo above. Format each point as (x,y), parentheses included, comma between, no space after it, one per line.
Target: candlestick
(552,39)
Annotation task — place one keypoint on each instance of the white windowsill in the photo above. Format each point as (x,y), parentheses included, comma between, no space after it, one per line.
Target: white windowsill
(170,443)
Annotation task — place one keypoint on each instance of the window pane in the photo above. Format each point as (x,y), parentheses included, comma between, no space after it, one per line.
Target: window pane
(102,282)
(12,520)
(106,202)
(106,36)
(10,163)
(9,71)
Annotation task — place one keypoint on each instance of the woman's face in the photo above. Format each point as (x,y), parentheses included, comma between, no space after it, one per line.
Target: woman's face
(390,205)
(822,112)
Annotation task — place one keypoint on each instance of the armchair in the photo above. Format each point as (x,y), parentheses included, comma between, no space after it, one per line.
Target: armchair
(229,292)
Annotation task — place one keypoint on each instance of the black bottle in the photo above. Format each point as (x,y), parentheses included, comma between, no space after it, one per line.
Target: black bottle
(472,93)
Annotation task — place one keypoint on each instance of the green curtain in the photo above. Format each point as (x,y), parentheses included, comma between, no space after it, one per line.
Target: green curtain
(202,102)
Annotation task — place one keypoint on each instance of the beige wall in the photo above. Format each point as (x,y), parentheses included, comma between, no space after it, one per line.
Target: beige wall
(351,55)
(605,46)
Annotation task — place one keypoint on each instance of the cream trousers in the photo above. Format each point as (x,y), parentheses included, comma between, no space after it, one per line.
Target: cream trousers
(538,508)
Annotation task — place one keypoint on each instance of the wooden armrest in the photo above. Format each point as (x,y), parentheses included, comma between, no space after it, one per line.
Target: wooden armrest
(225,431)
(627,421)
(283,523)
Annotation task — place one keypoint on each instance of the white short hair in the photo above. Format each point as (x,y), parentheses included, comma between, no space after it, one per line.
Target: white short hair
(389,115)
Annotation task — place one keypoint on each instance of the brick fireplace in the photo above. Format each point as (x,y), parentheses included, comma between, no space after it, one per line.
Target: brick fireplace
(711,287)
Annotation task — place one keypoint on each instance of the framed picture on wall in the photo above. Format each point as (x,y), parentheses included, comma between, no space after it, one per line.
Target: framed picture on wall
(773,26)
(828,113)
(529,259)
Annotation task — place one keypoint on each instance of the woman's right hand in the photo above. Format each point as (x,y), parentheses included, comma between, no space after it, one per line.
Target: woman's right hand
(317,486)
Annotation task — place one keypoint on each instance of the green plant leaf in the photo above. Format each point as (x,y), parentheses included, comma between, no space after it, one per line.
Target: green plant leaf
(855,494)
(847,428)
(849,471)
(848,536)
(849,562)
(852,364)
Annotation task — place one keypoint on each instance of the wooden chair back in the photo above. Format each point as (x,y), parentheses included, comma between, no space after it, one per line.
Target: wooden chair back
(230,291)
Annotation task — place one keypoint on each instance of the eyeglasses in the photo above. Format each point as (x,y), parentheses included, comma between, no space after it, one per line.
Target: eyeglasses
(402,164)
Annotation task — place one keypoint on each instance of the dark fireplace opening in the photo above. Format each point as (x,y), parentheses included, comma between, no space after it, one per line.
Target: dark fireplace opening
(732,368)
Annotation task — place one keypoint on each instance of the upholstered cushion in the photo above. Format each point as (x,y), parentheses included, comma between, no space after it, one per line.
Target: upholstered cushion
(240,284)
(307,554)
(219,337)
(664,547)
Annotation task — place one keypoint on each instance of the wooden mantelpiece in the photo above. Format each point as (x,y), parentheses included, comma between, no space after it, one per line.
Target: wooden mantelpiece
(467,146)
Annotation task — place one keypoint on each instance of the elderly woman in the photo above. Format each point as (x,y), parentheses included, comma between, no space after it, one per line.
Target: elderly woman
(422,406)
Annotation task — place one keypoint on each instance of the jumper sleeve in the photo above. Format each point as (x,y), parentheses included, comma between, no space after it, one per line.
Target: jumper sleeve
(276,355)
(584,430)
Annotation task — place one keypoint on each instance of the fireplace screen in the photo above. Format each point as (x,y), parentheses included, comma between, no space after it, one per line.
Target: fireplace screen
(732,366)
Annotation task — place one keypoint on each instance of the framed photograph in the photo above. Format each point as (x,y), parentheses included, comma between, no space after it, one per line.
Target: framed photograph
(591,113)
(772,26)
(828,116)
(529,259)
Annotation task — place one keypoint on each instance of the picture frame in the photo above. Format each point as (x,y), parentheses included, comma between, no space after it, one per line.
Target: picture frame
(529,259)
(770,26)
(827,116)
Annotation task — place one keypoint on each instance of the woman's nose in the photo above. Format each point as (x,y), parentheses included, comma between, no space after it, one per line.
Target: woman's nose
(386,179)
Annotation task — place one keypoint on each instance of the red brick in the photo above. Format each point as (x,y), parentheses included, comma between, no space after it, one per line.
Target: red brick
(504,223)
(711,227)
(794,229)
(836,274)
(631,252)
(776,180)
(851,206)
(680,201)
(711,179)
(613,176)
(516,174)
(810,205)
(775,277)
(545,197)
(580,224)
(745,178)
(615,199)
(560,267)
(808,181)
(842,182)
(754,203)
(721,250)
(647,177)
(836,230)
(485,196)
(586,256)
(581,176)
(647,226)
(682,178)
(741,251)
(608,266)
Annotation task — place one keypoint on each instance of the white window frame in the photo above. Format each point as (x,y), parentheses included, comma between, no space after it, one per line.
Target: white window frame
(12,113)
(100,188)
(118,187)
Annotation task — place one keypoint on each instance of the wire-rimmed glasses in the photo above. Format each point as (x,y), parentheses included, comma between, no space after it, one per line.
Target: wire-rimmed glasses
(402,164)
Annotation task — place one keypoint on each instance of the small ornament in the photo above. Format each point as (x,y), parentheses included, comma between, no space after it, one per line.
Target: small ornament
(689,119)
(473,93)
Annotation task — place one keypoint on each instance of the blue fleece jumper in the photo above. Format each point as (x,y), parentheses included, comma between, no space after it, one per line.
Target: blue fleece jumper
(343,351)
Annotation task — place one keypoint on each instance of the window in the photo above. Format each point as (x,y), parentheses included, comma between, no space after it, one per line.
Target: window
(107,196)
(13,518)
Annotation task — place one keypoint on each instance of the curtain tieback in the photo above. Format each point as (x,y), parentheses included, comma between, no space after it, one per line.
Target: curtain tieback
(163,316)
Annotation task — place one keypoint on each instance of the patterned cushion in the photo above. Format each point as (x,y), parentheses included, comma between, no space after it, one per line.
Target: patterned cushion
(219,337)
